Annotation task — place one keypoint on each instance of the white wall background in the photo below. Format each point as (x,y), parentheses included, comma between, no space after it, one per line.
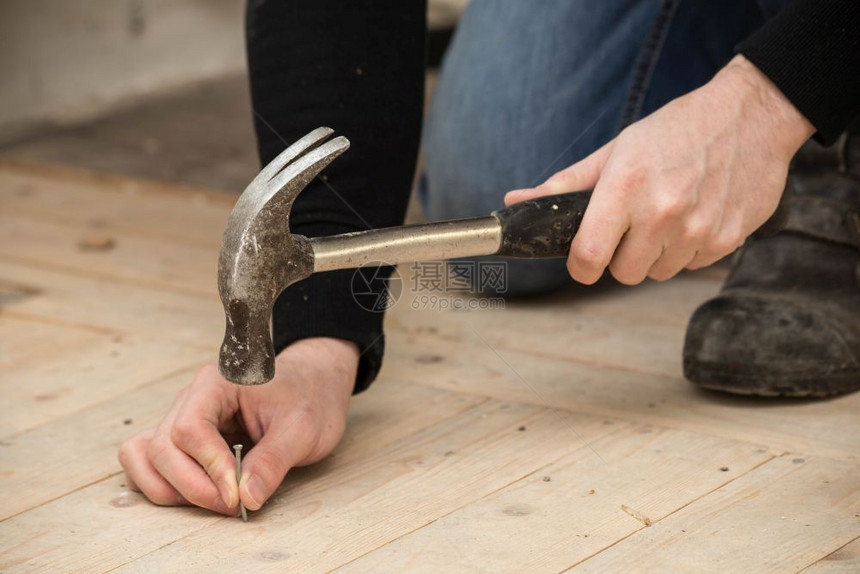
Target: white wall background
(65,61)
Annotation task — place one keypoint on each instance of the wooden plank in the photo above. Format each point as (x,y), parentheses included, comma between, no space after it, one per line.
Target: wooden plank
(112,307)
(119,256)
(92,530)
(103,526)
(602,341)
(573,508)
(48,371)
(640,329)
(781,517)
(466,364)
(670,302)
(109,203)
(845,560)
(69,453)
(325,519)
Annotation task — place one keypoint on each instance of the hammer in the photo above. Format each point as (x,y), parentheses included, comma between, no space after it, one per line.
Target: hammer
(260,257)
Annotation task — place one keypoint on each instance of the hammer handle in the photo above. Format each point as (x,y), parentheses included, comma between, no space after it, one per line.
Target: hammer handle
(542,227)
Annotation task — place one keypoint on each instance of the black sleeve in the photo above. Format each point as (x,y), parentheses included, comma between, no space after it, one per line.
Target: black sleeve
(811,51)
(356,67)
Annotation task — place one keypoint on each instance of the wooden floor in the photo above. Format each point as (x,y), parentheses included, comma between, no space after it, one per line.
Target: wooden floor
(554,434)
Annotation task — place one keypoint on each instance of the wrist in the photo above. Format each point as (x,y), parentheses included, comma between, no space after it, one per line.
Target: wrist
(788,128)
(337,357)
(341,351)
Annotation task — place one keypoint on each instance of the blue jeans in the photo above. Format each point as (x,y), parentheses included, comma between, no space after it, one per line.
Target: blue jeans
(529,88)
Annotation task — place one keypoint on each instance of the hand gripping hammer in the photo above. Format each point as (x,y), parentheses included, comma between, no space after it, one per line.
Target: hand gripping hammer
(260,257)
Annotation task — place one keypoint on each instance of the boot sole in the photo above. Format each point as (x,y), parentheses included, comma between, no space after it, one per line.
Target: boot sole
(768,385)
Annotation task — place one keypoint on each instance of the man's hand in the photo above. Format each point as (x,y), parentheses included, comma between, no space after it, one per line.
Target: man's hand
(686,185)
(294,420)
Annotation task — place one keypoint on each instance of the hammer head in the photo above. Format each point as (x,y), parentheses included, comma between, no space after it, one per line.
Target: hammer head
(260,257)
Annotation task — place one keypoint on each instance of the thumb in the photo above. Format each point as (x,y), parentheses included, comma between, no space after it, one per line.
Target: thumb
(580,176)
(268,462)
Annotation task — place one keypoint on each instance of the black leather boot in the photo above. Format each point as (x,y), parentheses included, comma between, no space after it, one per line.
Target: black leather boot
(787,321)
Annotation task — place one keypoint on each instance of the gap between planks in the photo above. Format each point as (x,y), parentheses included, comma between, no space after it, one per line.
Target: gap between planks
(488,558)
(466,364)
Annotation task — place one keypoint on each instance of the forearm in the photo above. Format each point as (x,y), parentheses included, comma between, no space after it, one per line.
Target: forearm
(357,67)
(811,52)
(742,83)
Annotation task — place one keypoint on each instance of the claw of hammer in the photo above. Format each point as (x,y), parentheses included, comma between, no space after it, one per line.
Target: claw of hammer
(260,257)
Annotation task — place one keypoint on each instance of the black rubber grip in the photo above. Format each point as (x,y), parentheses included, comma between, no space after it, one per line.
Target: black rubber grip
(542,227)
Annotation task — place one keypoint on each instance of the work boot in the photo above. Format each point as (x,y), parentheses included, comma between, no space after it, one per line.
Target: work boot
(787,321)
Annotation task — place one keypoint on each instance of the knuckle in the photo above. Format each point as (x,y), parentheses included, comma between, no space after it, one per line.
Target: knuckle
(669,210)
(124,455)
(578,274)
(633,181)
(183,432)
(661,274)
(722,245)
(700,261)
(695,232)
(625,275)
(588,256)
(157,448)
(162,496)
(560,178)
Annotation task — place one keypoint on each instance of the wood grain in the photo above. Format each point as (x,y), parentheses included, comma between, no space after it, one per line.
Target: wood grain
(107,306)
(574,508)
(107,203)
(110,254)
(324,522)
(557,432)
(459,361)
(49,371)
(781,517)
(842,561)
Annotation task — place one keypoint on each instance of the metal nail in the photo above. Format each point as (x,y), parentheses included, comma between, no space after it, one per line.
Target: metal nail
(238,449)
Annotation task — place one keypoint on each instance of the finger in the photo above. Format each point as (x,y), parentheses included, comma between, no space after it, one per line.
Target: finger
(204,415)
(605,222)
(635,255)
(671,263)
(141,476)
(717,248)
(707,258)
(266,465)
(185,475)
(580,176)
(179,469)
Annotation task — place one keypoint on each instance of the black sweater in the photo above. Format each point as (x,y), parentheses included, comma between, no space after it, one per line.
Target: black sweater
(358,67)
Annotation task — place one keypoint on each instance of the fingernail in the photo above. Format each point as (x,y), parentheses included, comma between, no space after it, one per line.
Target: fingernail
(225,489)
(256,490)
